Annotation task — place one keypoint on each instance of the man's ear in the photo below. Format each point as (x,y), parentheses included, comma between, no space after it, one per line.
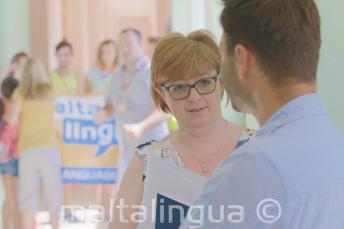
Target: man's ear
(242,60)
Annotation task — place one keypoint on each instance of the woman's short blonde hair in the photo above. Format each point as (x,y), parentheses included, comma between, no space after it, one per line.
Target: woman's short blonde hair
(34,80)
(177,56)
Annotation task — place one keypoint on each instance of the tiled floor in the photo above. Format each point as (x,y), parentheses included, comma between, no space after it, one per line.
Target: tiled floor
(43,217)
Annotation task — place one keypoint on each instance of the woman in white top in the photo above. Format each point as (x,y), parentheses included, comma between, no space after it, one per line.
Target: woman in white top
(187,84)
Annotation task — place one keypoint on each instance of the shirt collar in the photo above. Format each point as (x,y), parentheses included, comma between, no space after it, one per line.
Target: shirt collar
(299,107)
(141,61)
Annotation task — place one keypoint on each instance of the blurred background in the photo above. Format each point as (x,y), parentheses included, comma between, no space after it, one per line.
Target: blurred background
(36,26)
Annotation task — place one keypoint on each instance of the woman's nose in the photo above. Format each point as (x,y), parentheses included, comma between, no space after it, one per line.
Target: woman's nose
(194,94)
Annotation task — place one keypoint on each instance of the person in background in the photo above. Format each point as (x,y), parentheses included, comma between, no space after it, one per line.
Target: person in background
(186,83)
(171,121)
(39,167)
(9,157)
(291,175)
(63,79)
(97,83)
(64,83)
(129,100)
(16,61)
(98,78)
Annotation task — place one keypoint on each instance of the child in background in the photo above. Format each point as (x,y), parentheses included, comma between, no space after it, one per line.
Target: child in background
(9,158)
(32,109)
(97,82)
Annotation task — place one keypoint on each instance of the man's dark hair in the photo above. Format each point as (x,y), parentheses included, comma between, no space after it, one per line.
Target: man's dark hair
(133,30)
(63,44)
(8,86)
(284,35)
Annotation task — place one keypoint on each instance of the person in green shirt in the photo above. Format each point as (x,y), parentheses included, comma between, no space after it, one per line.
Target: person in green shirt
(65,83)
(63,79)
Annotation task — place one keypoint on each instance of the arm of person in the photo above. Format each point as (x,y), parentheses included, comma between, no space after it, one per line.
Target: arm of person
(8,71)
(130,194)
(12,116)
(249,189)
(87,87)
(136,130)
(105,114)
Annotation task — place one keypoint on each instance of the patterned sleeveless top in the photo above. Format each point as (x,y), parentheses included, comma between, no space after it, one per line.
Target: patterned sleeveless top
(165,149)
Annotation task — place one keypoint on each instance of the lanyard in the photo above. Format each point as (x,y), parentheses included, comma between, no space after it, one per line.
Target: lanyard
(132,76)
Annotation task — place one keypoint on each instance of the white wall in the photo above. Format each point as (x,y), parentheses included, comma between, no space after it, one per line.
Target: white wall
(331,72)
(14,29)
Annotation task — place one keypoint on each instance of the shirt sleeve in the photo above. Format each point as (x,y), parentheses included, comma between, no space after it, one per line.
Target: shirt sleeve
(246,189)
(17,97)
(147,87)
(12,130)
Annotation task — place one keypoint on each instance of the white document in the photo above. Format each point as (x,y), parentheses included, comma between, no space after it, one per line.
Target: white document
(175,183)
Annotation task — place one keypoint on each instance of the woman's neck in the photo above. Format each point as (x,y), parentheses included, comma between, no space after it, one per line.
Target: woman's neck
(62,71)
(108,68)
(206,134)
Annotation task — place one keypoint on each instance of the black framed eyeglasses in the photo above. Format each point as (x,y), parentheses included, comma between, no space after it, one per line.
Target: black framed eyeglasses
(182,91)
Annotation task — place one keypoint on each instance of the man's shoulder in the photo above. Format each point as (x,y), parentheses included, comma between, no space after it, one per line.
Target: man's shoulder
(302,165)
(249,161)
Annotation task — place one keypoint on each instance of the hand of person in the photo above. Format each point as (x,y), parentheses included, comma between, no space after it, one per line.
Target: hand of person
(100,117)
(10,70)
(121,108)
(133,131)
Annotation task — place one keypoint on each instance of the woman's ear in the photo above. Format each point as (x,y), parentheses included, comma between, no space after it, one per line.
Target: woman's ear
(222,87)
(163,97)
(159,92)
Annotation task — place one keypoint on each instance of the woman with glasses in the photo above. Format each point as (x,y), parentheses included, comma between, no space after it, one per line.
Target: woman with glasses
(185,83)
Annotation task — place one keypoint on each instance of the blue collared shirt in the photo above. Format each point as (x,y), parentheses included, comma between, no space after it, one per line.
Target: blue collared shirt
(290,176)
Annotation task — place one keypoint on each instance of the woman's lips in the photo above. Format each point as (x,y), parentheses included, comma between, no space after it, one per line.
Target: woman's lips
(196,109)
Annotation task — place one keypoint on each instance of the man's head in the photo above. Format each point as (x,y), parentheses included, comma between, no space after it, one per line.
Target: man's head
(275,41)
(64,54)
(130,45)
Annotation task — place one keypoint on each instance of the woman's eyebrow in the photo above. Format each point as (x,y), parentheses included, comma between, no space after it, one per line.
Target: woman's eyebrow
(202,76)
(176,82)
(194,79)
